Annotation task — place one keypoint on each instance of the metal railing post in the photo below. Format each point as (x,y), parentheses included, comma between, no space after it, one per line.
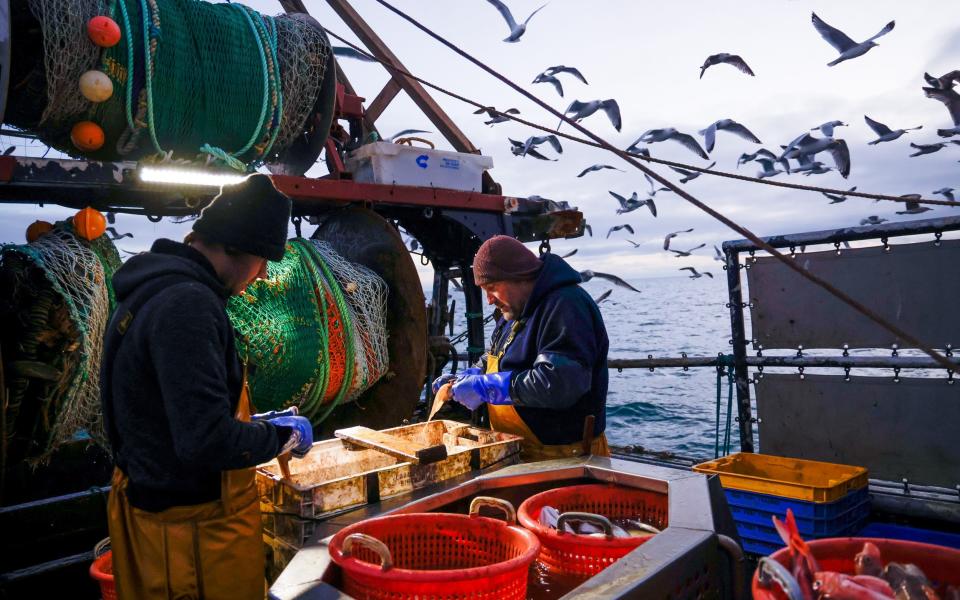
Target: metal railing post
(739,339)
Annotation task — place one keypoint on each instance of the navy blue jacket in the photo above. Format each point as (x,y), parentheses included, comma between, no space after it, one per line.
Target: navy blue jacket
(558,358)
(170,394)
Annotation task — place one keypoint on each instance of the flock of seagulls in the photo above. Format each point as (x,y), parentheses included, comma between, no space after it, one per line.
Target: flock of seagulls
(800,155)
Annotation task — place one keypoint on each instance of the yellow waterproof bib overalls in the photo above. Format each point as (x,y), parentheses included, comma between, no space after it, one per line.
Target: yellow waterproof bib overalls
(211,551)
(504,418)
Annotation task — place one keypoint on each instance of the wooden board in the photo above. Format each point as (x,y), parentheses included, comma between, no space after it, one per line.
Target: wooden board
(392,445)
(444,394)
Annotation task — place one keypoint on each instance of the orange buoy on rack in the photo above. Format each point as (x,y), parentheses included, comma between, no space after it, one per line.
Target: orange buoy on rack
(87,136)
(103,31)
(96,86)
(89,223)
(36,229)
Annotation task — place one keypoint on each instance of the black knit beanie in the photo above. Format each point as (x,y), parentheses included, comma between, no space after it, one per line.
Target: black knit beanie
(250,216)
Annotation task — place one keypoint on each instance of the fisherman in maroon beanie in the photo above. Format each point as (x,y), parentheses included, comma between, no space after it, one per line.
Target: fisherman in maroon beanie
(545,375)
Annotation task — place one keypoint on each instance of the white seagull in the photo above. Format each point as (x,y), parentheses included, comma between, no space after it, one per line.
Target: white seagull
(828,127)
(709,134)
(724,57)
(838,198)
(695,274)
(842,43)
(886,134)
(669,133)
(946,192)
(670,236)
(516,29)
(581,110)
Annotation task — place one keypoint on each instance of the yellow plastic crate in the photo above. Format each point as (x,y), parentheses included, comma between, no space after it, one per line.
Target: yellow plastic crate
(807,480)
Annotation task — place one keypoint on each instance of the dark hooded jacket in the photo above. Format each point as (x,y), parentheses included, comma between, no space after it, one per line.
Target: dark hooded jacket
(171,390)
(558,358)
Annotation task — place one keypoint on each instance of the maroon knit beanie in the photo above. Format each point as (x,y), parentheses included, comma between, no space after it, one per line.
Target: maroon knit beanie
(503,258)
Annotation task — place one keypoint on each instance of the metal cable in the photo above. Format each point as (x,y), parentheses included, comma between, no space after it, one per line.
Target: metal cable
(790,264)
(661,161)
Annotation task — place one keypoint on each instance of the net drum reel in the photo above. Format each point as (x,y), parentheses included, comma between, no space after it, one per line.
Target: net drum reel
(253,90)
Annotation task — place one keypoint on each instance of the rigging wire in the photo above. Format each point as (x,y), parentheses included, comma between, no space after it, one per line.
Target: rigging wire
(788,262)
(668,163)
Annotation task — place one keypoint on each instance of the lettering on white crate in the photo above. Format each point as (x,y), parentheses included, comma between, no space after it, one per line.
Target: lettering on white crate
(449,163)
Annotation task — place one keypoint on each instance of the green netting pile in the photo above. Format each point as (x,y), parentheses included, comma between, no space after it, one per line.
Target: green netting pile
(191,78)
(57,298)
(315,330)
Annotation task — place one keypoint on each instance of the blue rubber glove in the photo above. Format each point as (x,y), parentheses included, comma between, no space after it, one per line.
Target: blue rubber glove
(473,390)
(301,434)
(448,377)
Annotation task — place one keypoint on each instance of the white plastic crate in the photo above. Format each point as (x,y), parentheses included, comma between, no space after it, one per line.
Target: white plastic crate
(388,163)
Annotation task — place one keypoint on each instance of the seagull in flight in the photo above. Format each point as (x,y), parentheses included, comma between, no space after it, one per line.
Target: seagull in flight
(725,58)
(634,244)
(761,153)
(718,255)
(684,253)
(949,132)
(695,274)
(571,253)
(593,168)
(946,192)
(114,236)
(768,169)
(689,175)
(670,236)
(941,89)
(602,297)
(588,275)
(618,228)
(709,134)
(838,198)
(827,128)
(632,204)
(404,132)
(529,146)
(581,110)
(495,115)
(809,145)
(808,166)
(842,43)
(930,148)
(885,133)
(516,29)
(653,186)
(549,76)
(913,207)
(669,133)
(872,220)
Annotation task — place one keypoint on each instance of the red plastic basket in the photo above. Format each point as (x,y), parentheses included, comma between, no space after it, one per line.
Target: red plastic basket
(102,572)
(435,555)
(580,554)
(940,564)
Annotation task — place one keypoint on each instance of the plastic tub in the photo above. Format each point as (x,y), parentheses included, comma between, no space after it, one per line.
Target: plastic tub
(583,555)
(388,163)
(941,565)
(795,478)
(436,555)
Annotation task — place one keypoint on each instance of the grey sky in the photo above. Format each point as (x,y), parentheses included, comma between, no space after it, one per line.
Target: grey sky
(647,55)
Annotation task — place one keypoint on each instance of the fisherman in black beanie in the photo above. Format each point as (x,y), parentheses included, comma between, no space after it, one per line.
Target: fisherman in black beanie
(177,411)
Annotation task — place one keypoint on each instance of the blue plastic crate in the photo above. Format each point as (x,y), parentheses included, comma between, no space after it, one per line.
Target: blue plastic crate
(913,534)
(759,548)
(769,535)
(776,505)
(807,527)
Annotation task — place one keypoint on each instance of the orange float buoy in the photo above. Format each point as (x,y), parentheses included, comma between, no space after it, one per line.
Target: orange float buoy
(36,229)
(103,31)
(87,136)
(89,223)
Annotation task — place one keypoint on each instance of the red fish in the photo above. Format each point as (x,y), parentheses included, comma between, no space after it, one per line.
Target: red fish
(837,586)
(868,561)
(804,563)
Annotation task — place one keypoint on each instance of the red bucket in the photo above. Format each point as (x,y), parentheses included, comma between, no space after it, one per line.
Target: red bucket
(436,555)
(582,555)
(101,570)
(940,564)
